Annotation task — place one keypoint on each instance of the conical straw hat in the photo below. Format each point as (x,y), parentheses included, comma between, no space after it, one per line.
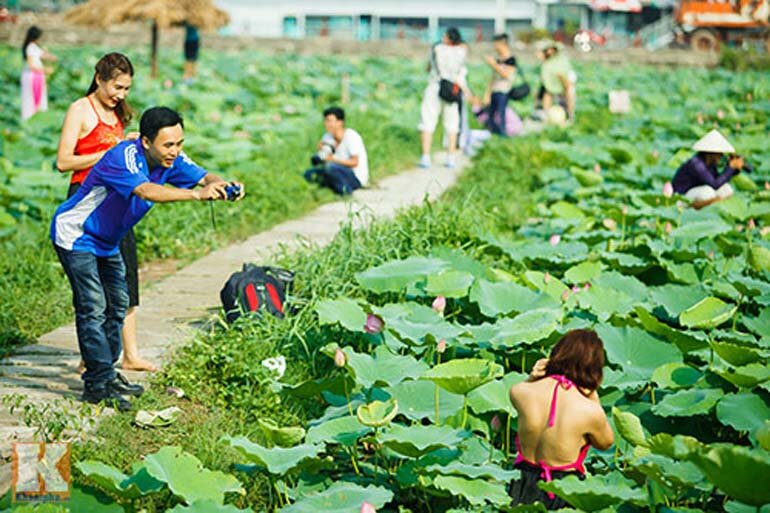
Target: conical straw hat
(713,142)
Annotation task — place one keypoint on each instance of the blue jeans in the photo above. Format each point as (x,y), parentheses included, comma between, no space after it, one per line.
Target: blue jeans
(497,106)
(100,298)
(340,179)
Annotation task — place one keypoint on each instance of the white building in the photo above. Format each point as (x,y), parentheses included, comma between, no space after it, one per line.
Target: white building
(382,19)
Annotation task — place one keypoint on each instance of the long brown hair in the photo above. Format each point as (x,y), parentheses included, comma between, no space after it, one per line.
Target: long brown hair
(108,67)
(579,355)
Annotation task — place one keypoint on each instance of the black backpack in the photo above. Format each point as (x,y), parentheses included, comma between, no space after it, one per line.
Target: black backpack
(254,289)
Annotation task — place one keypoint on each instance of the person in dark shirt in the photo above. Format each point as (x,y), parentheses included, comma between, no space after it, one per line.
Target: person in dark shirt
(699,179)
(503,75)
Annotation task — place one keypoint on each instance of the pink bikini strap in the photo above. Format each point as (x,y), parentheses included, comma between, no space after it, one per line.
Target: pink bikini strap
(567,384)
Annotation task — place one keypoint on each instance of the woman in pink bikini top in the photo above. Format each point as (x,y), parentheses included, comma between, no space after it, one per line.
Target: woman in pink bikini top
(560,416)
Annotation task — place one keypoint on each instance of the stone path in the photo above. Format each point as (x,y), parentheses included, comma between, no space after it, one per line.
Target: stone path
(172,309)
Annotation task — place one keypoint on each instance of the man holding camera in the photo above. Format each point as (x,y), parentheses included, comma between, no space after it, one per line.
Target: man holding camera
(87,228)
(699,179)
(341,162)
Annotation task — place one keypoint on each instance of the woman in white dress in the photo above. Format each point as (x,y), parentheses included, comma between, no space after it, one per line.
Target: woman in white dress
(34,95)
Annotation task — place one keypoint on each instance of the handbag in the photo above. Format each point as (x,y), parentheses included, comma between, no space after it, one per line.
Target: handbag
(448,91)
(521,91)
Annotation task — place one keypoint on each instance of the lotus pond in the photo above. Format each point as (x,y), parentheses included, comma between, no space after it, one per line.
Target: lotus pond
(389,383)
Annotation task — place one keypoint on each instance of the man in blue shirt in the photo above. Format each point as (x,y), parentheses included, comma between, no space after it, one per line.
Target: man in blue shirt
(87,228)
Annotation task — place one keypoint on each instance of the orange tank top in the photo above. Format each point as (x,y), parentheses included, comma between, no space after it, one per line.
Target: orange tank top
(101,138)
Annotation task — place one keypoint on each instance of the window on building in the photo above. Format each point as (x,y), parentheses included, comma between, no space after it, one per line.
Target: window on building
(339,27)
(472,30)
(404,28)
(291,27)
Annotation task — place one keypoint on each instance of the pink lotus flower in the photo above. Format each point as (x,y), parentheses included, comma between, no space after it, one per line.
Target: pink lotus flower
(439,304)
(374,324)
(555,239)
(668,190)
(751,224)
(495,424)
(546,277)
(238,109)
(720,114)
(597,168)
(565,295)
(711,255)
(767,186)
(168,84)
(367,508)
(575,289)
(277,117)
(441,346)
(587,286)
(340,359)
(668,227)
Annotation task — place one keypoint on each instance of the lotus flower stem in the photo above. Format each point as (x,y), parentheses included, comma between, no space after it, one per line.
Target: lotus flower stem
(508,437)
(465,410)
(438,362)
(347,394)
(353,460)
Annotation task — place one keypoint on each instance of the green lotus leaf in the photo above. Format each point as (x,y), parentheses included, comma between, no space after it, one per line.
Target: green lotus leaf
(414,441)
(377,413)
(675,376)
(759,258)
(735,207)
(416,400)
(487,470)
(760,324)
(283,436)
(342,430)
(384,367)
(340,497)
(476,491)
(596,492)
(536,507)
(528,250)
(186,478)
(449,284)
(743,412)
(696,230)
(629,427)
(277,460)
(416,323)
(463,375)
(747,376)
(586,178)
(550,286)
(636,352)
(394,275)
(686,341)
(739,472)
(495,298)
(113,481)
(345,311)
(762,434)
(743,182)
(528,327)
(735,354)
(207,507)
(680,476)
(494,396)
(677,298)
(688,402)
(583,272)
(678,447)
(707,313)
(737,507)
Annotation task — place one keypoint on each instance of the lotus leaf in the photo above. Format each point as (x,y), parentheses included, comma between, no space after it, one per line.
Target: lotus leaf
(760,324)
(488,470)
(394,275)
(737,507)
(696,230)
(416,400)
(377,413)
(383,367)
(707,313)
(283,436)
(674,376)
(277,460)
(762,434)
(636,352)
(596,492)
(506,297)
(686,341)
(676,475)
(414,441)
(739,472)
(583,272)
(463,375)
(476,491)
(415,323)
(676,447)
(629,427)
(186,478)
(341,497)
(342,430)
(493,396)
(116,482)
(449,283)
(688,402)
(743,412)
(735,354)
(747,376)
(528,327)
(677,298)
(344,311)
(207,507)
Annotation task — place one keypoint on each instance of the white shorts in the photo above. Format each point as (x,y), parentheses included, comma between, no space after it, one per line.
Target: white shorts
(433,107)
(707,193)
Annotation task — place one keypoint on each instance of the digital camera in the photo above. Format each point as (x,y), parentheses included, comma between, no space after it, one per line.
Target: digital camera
(319,157)
(233,191)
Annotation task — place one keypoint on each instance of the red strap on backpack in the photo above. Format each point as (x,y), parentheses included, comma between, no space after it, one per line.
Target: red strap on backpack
(251,297)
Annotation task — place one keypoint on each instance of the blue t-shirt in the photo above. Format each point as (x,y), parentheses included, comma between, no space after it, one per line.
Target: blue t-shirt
(104,208)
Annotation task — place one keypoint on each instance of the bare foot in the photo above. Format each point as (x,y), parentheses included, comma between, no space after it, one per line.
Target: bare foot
(138,364)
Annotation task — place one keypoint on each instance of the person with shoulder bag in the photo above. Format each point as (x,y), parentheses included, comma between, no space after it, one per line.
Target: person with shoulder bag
(443,95)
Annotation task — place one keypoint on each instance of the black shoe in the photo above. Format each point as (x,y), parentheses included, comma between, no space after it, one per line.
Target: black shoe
(105,394)
(121,385)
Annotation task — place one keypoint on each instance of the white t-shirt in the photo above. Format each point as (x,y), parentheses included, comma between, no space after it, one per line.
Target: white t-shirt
(35,54)
(450,61)
(351,145)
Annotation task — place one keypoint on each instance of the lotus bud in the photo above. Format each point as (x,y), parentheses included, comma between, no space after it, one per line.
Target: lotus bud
(751,224)
(749,96)
(668,227)
(587,286)
(624,209)
(555,239)
(238,109)
(699,118)
(655,155)
(575,289)
(767,186)
(277,117)
(367,508)
(565,295)
(711,255)
(597,168)
(737,126)
(495,424)
(441,346)
(168,84)
(546,277)
(738,227)
(439,304)
(720,114)
(668,190)
(610,224)
(373,324)
(339,358)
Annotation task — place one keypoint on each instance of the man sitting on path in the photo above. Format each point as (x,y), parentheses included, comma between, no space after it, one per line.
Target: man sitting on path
(87,228)
(341,162)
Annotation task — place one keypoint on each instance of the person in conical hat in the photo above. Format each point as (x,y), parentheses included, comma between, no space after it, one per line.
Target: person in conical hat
(699,179)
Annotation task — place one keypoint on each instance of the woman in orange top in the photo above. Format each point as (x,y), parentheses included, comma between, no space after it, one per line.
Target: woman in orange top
(93,125)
